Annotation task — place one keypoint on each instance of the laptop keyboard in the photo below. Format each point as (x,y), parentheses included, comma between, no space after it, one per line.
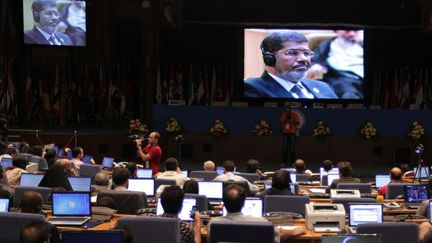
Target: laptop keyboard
(68,219)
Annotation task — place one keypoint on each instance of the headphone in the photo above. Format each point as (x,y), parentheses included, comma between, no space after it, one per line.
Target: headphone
(36,16)
(268,57)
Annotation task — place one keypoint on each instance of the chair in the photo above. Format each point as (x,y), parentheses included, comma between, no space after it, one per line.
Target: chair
(241,231)
(243,184)
(43,165)
(205,175)
(151,229)
(392,231)
(362,187)
(302,177)
(12,223)
(25,156)
(201,201)
(251,177)
(89,170)
(158,182)
(346,201)
(127,202)
(19,191)
(285,203)
(395,189)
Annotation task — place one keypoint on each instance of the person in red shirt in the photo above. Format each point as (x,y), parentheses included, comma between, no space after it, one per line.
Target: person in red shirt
(395,177)
(290,125)
(151,154)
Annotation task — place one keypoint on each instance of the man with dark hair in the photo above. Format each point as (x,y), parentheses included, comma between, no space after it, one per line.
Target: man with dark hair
(173,172)
(345,175)
(31,202)
(395,177)
(39,232)
(327,165)
(253,166)
(14,174)
(287,58)
(151,154)
(229,175)
(120,178)
(172,203)
(77,156)
(280,184)
(46,18)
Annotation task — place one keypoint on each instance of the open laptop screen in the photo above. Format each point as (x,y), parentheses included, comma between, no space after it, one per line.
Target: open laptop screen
(424,172)
(220,170)
(416,193)
(142,185)
(92,236)
(382,180)
(252,207)
(29,179)
(211,189)
(144,173)
(184,214)
(71,204)
(365,213)
(107,162)
(351,238)
(331,177)
(6,163)
(80,184)
(4,205)
(87,159)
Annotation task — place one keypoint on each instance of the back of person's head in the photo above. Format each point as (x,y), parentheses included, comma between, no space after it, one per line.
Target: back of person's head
(36,150)
(300,166)
(132,167)
(229,165)
(209,166)
(120,176)
(345,169)
(38,232)
(281,180)
(172,199)
(252,165)
(234,197)
(107,201)
(31,202)
(102,178)
(20,163)
(190,186)
(50,154)
(24,147)
(327,165)
(11,151)
(274,41)
(76,152)
(395,174)
(56,177)
(404,167)
(171,164)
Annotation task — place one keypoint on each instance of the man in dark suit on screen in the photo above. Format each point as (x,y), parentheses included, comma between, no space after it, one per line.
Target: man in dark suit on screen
(287,58)
(46,17)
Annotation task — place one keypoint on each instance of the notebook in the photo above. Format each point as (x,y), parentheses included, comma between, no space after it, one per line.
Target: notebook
(252,207)
(6,163)
(4,205)
(351,238)
(382,180)
(364,214)
(331,177)
(80,183)
(415,194)
(424,172)
(145,185)
(213,190)
(87,159)
(144,173)
(107,162)
(92,236)
(188,204)
(70,208)
(29,179)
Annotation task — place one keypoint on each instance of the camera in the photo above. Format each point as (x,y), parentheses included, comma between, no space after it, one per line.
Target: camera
(179,138)
(419,150)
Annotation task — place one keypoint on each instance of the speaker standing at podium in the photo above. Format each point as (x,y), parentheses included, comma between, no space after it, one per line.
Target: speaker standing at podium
(290,122)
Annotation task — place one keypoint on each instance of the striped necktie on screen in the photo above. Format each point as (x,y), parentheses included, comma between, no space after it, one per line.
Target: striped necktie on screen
(54,41)
(297,89)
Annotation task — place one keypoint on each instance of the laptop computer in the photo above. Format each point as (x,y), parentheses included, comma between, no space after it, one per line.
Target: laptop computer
(415,194)
(185,173)
(70,208)
(351,238)
(430,211)
(364,214)
(60,153)
(334,170)
(381,180)
(424,172)
(29,179)
(56,149)
(107,162)
(252,207)
(6,163)
(293,177)
(92,236)
(4,205)
(213,190)
(87,159)
(145,185)
(331,177)
(69,154)
(144,173)
(80,183)
(220,170)
(185,213)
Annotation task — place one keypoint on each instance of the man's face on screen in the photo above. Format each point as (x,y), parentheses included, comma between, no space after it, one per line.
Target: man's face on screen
(293,61)
(49,19)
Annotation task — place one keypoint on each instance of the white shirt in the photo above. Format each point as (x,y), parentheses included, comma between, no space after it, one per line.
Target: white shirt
(289,85)
(77,17)
(346,56)
(230,176)
(174,175)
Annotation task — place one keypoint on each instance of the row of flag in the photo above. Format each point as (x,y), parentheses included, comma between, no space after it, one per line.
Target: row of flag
(8,92)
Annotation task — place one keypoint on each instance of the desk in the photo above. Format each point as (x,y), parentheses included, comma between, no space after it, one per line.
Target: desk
(104,226)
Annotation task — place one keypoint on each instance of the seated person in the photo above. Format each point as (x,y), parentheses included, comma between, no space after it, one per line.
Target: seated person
(300,167)
(407,172)
(31,202)
(39,231)
(190,186)
(253,166)
(280,184)
(120,178)
(132,167)
(50,157)
(395,177)
(14,174)
(56,176)
(229,175)
(345,173)
(173,172)
(425,233)
(209,166)
(101,182)
(327,165)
